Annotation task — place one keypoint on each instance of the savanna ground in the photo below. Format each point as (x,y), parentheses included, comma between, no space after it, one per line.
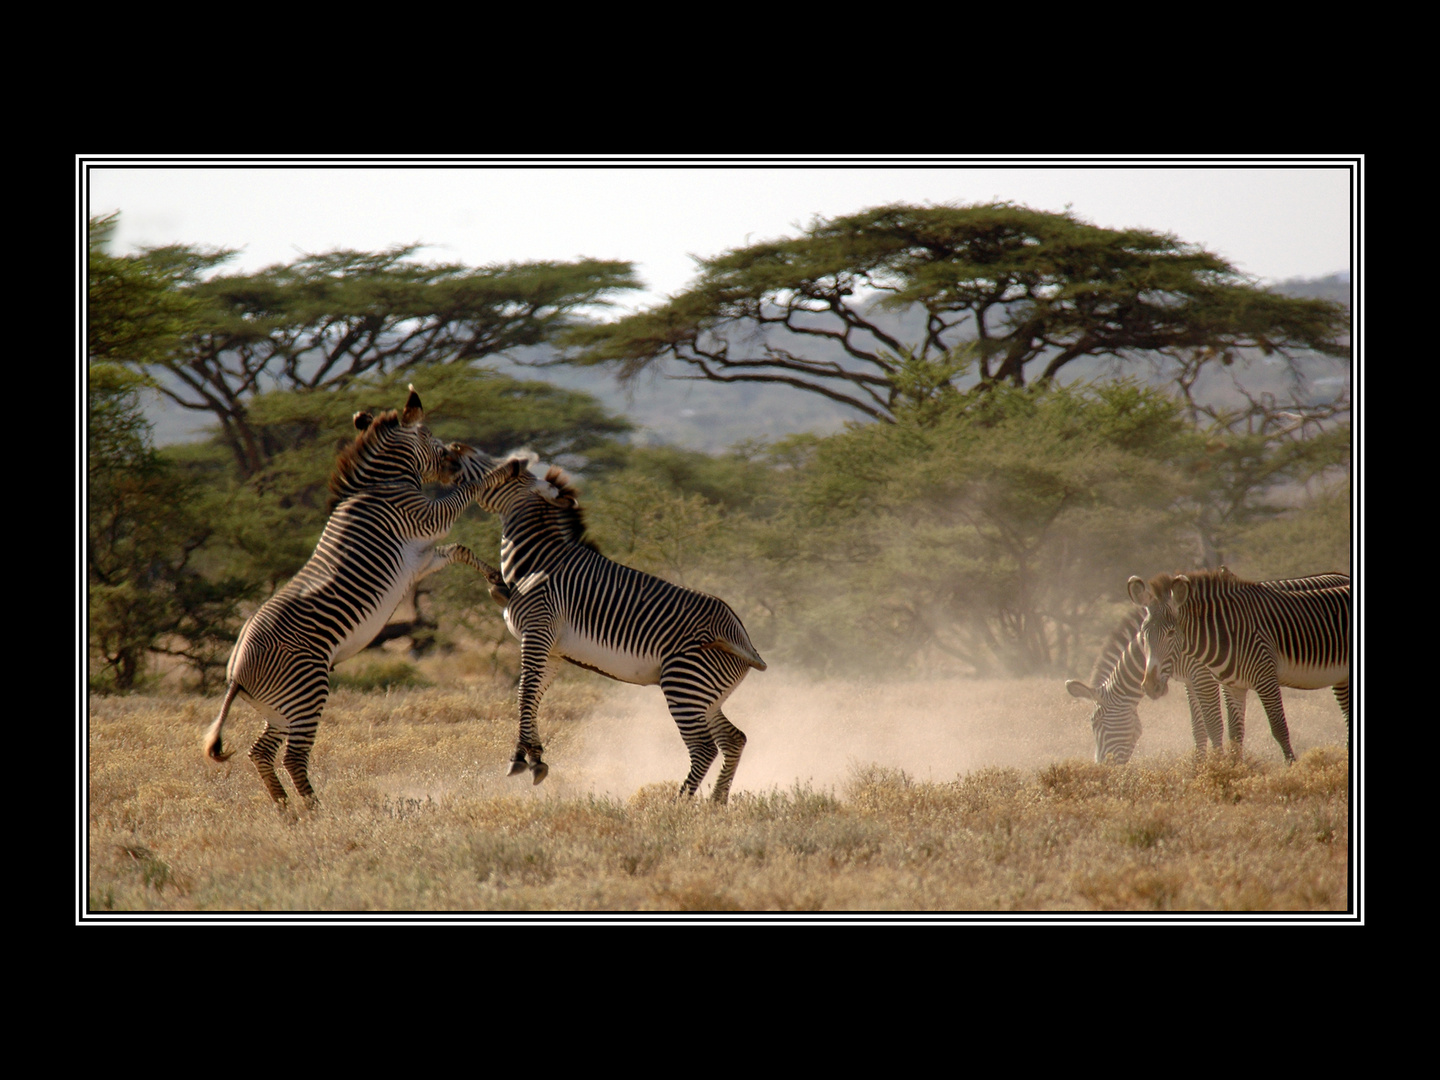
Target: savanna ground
(944,796)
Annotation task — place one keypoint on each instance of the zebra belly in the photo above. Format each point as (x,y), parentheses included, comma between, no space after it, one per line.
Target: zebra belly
(416,556)
(587,652)
(1310,676)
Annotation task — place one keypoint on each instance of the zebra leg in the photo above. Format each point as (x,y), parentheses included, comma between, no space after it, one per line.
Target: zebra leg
(1268,692)
(702,750)
(445,554)
(732,743)
(1204,700)
(537,672)
(459,553)
(297,760)
(1235,717)
(263,755)
(684,680)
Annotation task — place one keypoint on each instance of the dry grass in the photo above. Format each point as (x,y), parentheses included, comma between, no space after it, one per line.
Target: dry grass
(948,796)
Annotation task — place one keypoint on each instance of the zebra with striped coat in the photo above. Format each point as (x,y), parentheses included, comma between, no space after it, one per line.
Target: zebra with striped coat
(1118,681)
(381,539)
(1258,635)
(1116,686)
(568,602)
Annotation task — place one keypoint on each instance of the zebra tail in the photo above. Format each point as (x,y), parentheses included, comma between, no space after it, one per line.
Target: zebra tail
(745,652)
(213,748)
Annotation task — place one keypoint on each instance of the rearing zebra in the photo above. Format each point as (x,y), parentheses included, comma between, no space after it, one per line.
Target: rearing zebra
(569,602)
(380,540)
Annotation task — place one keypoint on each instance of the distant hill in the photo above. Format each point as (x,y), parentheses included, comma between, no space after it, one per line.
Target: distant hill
(709,416)
(1334,287)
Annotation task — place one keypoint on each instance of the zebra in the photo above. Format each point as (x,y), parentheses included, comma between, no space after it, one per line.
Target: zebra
(1116,685)
(1258,635)
(1118,678)
(380,540)
(569,602)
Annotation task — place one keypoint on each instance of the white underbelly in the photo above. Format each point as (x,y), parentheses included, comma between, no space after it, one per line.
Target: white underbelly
(1308,677)
(417,556)
(627,667)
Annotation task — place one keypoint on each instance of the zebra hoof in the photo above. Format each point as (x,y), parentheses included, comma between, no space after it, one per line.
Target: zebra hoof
(517,767)
(541,770)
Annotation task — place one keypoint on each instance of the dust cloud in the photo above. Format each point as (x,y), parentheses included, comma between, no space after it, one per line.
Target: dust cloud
(938,730)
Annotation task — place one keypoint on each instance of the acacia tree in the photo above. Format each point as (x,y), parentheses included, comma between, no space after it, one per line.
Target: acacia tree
(142,531)
(1004,294)
(324,320)
(281,360)
(991,531)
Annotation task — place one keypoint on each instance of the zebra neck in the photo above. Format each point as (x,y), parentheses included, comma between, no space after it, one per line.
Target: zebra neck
(520,556)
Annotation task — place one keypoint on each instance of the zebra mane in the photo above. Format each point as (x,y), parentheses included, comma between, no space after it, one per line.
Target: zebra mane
(568,519)
(1160,584)
(352,459)
(1115,646)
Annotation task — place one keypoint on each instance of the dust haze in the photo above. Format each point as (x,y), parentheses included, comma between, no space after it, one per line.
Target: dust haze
(820,732)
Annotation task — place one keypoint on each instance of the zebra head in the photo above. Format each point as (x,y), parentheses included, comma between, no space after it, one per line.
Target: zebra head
(393,447)
(1115,719)
(1161,599)
(503,484)
(1114,689)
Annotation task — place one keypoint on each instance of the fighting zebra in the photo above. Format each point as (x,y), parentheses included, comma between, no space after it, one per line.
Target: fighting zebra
(1258,635)
(381,538)
(569,602)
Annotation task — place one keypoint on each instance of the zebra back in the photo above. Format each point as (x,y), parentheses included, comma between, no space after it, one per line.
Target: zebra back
(543,532)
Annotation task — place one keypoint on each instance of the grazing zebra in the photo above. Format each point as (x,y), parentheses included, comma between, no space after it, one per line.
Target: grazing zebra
(569,602)
(380,540)
(1118,682)
(1258,635)
(1116,685)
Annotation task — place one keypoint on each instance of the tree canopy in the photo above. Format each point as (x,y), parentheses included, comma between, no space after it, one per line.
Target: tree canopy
(324,320)
(145,520)
(1008,295)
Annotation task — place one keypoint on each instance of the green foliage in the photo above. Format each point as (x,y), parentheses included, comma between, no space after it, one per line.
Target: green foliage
(1238,471)
(138,311)
(325,321)
(987,529)
(735,481)
(990,525)
(1012,294)
(1312,538)
(638,522)
(380,675)
(144,596)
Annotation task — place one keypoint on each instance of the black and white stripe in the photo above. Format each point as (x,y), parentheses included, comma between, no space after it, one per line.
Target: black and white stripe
(570,603)
(1117,684)
(1258,635)
(381,538)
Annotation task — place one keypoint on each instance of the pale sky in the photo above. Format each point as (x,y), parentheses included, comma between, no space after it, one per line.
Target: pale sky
(1272,218)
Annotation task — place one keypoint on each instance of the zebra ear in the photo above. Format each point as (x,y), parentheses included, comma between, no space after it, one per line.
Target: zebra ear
(1180,591)
(414,412)
(362,420)
(1139,591)
(1079,689)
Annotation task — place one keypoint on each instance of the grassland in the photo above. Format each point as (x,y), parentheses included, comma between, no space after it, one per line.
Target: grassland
(940,797)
